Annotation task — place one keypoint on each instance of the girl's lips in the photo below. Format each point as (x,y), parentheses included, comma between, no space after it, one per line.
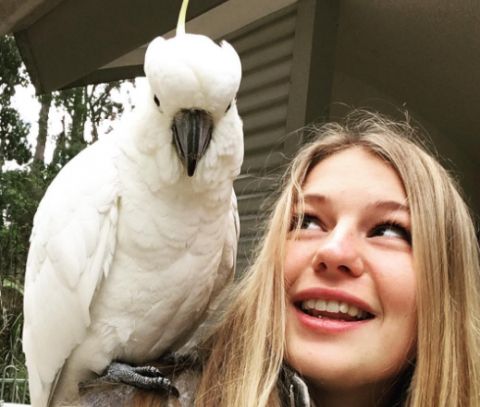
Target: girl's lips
(327,325)
(320,293)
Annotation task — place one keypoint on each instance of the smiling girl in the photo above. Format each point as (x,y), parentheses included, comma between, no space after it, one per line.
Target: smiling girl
(365,290)
(366,284)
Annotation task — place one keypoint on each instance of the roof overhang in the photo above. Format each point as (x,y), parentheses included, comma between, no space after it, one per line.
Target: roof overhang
(70,39)
(66,43)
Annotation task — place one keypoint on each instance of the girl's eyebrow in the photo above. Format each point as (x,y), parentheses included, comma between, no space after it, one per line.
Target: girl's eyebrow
(315,198)
(390,205)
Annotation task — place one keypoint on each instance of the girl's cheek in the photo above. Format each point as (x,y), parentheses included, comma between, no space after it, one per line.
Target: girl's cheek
(296,261)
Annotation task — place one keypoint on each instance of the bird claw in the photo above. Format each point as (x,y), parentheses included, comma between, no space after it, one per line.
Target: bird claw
(144,377)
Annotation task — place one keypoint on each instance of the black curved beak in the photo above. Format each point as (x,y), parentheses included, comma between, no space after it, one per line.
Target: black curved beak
(192,132)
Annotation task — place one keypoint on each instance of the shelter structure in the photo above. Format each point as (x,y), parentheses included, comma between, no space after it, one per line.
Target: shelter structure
(303,61)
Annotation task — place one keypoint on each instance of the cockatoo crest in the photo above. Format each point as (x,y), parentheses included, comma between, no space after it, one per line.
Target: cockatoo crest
(191,71)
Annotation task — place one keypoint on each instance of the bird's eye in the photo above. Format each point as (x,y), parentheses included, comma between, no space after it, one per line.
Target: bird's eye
(229,106)
(155,99)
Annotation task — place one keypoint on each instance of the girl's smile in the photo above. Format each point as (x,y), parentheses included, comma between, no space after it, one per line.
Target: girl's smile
(349,275)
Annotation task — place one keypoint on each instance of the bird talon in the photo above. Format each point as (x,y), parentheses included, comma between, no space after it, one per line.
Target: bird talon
(147,371)
(144,377)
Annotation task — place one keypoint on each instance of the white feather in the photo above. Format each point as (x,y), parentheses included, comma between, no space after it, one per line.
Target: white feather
(127,253)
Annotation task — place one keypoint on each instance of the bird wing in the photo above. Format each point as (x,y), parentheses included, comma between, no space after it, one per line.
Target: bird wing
(71,249)
(225,274)
(226,269)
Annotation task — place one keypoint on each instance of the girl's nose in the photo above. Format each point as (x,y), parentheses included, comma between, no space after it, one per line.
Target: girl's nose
(339,252)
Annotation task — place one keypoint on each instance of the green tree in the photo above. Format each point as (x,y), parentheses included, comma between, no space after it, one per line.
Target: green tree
(84,105)
(13,131)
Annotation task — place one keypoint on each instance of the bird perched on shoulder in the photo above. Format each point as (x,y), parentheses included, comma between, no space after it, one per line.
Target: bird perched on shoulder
(137,235)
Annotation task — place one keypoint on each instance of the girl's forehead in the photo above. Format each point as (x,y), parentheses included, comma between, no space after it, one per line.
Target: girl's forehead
(353,170)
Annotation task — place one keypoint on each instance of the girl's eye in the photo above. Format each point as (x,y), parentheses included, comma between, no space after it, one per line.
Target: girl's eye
(310,222)
(391,230)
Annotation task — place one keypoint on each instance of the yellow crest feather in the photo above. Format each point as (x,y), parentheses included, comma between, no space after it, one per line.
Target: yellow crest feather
(182,17)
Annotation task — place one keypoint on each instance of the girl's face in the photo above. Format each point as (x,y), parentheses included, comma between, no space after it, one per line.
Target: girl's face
(351,321)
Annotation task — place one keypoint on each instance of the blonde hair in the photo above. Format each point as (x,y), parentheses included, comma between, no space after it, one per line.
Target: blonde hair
(247,351)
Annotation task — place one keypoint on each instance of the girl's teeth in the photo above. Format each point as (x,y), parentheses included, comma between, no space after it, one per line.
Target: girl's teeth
(309,304)
(335,307)
(344,307)
(321,305)
(353,311)
(332,306)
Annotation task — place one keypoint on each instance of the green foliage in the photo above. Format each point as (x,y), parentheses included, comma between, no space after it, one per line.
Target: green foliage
(72,140)
(12,72)
(100,105)
(90,104)
(20,193)
(13,136)
(10,283)
(11,329)
(13,131)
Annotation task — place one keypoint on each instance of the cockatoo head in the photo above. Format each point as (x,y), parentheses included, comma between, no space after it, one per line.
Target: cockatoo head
(193,83)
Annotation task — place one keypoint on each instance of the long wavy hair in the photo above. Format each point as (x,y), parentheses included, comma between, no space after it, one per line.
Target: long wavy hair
(246,353)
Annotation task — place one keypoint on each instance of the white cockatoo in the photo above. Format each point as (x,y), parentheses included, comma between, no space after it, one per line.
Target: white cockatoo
(137,235)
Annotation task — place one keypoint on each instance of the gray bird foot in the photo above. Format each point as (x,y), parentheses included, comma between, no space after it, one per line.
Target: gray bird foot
(144,377)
